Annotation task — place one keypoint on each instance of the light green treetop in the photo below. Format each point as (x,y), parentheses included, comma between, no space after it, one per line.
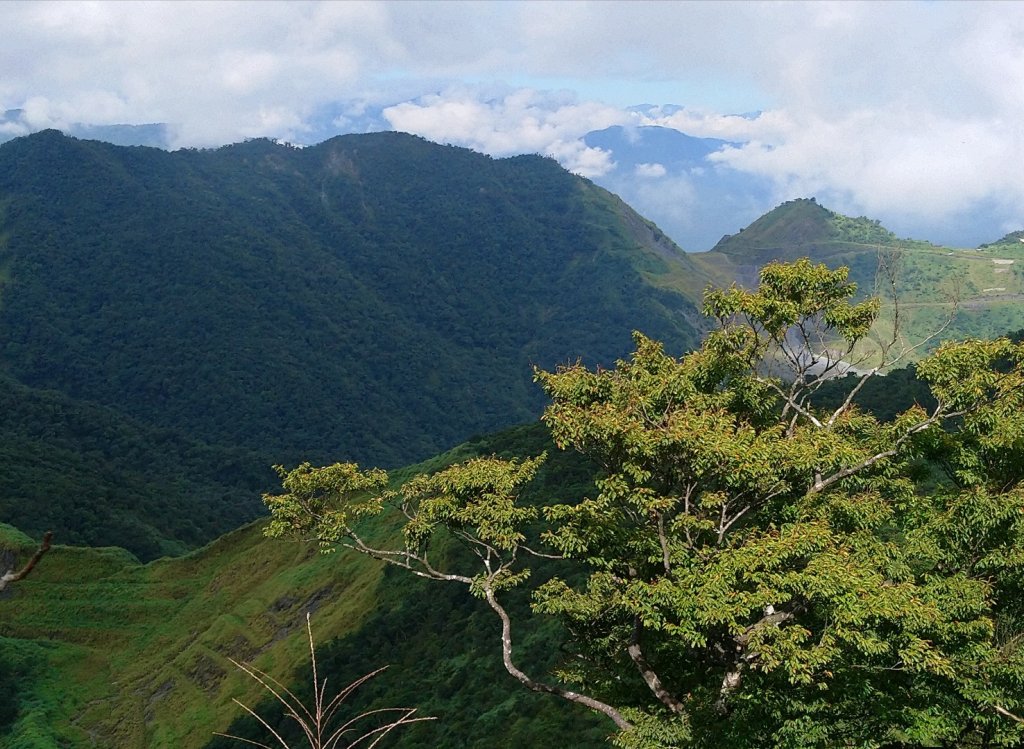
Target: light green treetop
(750,570)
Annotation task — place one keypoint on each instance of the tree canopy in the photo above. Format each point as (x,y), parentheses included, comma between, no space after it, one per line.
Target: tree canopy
(752,568)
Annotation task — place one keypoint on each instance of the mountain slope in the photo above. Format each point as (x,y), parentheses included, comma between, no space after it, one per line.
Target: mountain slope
(96,477)
(797,228)
(376,297)
(962,292)
(97,649)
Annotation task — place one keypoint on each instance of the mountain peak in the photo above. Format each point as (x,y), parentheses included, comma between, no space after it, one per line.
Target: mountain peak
(801,225)
(1013,239)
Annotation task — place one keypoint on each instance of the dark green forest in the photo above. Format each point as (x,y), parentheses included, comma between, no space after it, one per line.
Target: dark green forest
(98,478)
(375,297)
(172,324)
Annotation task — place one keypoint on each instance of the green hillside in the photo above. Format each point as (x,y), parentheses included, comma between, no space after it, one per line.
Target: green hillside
(798,228)
(1011,240)
(981,288)
(375,297)
(98,478)
(99,650)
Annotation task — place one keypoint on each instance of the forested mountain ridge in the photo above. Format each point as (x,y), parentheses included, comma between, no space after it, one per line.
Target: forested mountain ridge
(375,297)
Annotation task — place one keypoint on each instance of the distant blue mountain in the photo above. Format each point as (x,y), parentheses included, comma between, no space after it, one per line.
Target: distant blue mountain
(13,124)
(651,144)
(666,176)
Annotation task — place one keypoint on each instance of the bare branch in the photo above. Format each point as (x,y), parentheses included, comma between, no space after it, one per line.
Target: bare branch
(416,564)
(726,522)
(506,656)
(852,394)
(938,415)
(790,401)
(648,674)
(540,554)
(1007,714)
(12,577)
(666,558)
(733,678)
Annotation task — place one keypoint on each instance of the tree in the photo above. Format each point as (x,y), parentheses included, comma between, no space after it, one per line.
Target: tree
(751,570)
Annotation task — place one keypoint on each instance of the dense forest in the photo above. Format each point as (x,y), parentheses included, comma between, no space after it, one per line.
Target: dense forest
(377,297)
(96,477)
(172,324)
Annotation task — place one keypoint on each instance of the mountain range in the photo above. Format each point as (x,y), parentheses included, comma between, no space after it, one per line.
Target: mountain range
(673,178)
(376,298)
(171,324)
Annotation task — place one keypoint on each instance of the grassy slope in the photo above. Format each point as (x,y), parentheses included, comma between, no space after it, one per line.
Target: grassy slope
(135,656)
(107,652)
(653,254)
(988,288)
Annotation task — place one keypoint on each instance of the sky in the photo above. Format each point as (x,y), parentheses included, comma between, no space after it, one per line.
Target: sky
(912,112)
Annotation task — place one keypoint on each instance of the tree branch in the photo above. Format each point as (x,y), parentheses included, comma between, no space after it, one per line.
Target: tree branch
(734,676)
(12,577)
(648,674)
(938,415)
(666,556)
(406,560)
(790,401)
(418,565)
(506,656)
(1007,714)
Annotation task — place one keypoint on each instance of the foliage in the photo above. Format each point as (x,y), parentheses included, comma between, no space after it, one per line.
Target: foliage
(752,569)
(1013,239)
(804,226)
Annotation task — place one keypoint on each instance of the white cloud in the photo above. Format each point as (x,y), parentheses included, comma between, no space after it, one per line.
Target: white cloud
(649,171)
(924,166)
(517,121)
(581,159)
(902,109)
